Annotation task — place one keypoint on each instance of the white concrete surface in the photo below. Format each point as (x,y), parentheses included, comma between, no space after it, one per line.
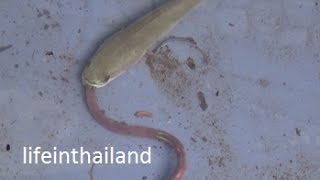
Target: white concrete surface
(264,61)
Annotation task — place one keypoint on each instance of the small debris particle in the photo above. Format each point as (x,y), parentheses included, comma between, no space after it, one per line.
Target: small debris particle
(141,114)
(217,93)
(203,104)
(316,3)
(193,140)
(8,147)
(16,65)
(46,26)
(55,24)
(3,48)
(44,12)
(284,83)
(298,131)
(204,139)
(210,161)
(264,82)
(190,63)
(79,30)
(144,177)
(64,79)
(49,53)
(40,93)
(231,25)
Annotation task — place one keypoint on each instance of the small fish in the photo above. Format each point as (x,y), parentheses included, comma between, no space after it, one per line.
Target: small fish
(123,49)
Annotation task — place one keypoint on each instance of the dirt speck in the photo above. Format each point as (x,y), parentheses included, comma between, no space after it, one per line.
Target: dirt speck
(263,82)
(203,104)
(144,178)
(8,147)
(204,139)
(55,24)
(298,131)
(64,79)
(231,25)
(43,12)
(46,26)
(40,93)
(16,65)
(49,53)
(190,63)
(217,93)
(193,140)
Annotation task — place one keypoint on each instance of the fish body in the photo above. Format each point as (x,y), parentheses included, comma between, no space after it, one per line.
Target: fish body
(124,48)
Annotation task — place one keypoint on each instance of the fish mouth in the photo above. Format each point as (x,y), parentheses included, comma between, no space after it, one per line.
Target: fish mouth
(87,82)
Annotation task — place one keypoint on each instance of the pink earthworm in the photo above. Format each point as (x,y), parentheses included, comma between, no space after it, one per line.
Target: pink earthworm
(139,131)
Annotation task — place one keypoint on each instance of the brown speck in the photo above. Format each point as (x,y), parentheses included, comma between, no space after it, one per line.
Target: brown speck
(141,114)
(40,93)
(203,104)
(298,131)
(46,26)
(190,63)
(8,147)
(231,25)
(49,53)
(16,65)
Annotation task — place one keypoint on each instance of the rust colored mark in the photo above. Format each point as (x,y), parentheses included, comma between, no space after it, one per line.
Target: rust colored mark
(142,114)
